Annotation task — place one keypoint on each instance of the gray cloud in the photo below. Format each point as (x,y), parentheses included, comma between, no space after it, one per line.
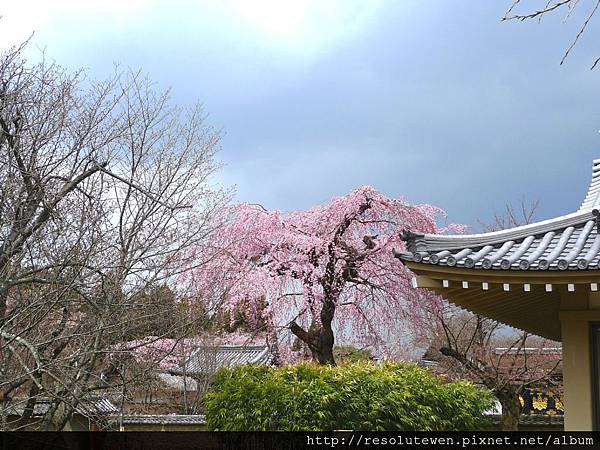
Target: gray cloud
(436,101)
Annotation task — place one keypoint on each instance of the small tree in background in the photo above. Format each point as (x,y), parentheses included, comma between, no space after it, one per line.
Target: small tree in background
(489,353)
(485,351)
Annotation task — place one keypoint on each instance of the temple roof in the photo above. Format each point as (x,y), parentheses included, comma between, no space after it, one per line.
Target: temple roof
(569,242)
(207,360)
(163,419)
(89,406)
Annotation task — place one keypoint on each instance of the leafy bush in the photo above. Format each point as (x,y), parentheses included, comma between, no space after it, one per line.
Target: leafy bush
(344,354)
(361,396)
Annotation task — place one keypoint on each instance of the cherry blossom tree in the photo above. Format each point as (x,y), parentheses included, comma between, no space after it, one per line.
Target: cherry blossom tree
(329,270)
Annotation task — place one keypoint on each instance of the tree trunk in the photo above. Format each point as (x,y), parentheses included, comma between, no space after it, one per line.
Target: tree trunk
(326,338)
(319,340)
(324,355)
(511,409)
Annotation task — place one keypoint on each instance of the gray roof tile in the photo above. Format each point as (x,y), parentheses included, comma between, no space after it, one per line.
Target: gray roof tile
(535,419)
(170,419)
(206,360)
(90,406)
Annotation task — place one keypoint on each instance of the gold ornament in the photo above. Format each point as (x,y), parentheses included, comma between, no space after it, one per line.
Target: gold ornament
(540,403)
(559,404)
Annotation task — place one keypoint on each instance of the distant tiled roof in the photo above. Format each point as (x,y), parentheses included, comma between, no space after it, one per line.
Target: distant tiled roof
(178,382)
(94,406)
(541,419)
(97,406)
(167,419)
(557,351)
(206,360)
(535,419)
(570,242)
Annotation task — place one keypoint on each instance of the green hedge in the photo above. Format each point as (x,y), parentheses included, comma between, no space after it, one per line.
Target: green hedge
(361,396)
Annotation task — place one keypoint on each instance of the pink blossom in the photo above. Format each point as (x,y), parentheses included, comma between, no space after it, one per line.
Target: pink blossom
(339,252)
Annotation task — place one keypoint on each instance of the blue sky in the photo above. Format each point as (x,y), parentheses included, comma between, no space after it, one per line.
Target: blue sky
(436,101)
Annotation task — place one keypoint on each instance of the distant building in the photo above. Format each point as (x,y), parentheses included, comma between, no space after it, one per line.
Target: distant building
(205,361)
(92,413)
(175,384)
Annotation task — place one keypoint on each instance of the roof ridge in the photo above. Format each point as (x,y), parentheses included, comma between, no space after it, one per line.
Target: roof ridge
(233,347)
(418,241)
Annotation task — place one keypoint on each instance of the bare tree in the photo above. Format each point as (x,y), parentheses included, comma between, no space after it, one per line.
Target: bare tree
(103,188)
(506,361)
(568,7)
(512,216)
(206,358)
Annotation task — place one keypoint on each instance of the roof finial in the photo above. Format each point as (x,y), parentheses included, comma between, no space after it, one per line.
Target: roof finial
(596,214)
(592,197)
(408,236)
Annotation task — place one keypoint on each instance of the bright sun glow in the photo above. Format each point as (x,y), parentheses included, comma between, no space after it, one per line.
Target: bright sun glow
(297,26)
(301,24)
(275,17)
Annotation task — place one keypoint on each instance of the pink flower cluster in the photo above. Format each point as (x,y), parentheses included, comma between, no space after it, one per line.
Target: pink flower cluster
(341,250)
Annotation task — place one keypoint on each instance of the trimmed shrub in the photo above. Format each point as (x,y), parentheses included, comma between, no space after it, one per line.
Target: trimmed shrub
(361,396)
